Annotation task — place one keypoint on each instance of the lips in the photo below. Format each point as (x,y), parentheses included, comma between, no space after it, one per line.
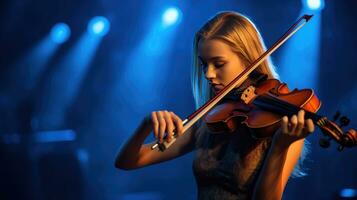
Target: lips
(217,87)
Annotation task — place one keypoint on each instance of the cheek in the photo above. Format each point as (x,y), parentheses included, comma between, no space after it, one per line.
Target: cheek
(230,72)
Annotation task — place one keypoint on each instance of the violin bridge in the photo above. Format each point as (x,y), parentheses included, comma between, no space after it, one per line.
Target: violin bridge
(248,95)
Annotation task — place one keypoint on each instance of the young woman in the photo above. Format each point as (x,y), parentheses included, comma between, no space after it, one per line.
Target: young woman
(227,165)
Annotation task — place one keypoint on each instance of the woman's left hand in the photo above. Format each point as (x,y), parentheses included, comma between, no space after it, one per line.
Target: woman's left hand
(293,129)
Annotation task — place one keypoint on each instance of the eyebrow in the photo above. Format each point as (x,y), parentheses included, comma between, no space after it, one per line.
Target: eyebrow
(212,58)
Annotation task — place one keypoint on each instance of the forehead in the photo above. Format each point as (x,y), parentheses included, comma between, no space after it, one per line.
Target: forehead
(208,48)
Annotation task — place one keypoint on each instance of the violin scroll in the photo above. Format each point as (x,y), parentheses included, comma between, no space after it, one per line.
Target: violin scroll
(334,131)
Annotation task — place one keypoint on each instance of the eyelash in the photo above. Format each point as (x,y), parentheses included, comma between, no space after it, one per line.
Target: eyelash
(204,66)
(219,65)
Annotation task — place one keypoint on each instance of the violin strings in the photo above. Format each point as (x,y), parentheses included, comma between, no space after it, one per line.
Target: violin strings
(272,103)
(283,107)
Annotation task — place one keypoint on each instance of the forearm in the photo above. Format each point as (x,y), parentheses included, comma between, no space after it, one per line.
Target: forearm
(130,151)
(282,157)
(269,185)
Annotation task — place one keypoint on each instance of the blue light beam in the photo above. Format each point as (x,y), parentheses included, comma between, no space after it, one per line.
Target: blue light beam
(65,83)
(30,67)
(299,65)
(145,70)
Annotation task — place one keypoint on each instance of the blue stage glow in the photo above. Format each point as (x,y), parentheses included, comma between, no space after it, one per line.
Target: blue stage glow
(73,68)
(82,155)
(348,193)
(60,33)
(304,44)
(171,16)
(55,136)
(99,26)
(315,4)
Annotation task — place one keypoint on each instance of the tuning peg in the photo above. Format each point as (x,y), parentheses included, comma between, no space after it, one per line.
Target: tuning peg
(325,143)
(336,116)
(344,121)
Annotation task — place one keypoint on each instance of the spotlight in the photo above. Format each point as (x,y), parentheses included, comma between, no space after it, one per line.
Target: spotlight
(171,16)
(99,26)
(349,193)
(314,4)
(60,33)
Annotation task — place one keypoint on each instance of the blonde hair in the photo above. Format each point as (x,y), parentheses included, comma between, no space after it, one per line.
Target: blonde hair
(243,37)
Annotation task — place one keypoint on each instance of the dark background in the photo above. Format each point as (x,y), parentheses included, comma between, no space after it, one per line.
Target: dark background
(109,104)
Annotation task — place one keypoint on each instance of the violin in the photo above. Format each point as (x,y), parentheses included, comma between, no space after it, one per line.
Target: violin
(261,107)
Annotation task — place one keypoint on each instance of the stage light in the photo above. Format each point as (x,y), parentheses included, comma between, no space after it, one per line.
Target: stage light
(315,4)
(171,16)
(99,26)
(60,33)
(348,193)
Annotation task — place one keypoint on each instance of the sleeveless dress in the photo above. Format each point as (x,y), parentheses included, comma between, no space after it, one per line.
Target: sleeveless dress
(227,165)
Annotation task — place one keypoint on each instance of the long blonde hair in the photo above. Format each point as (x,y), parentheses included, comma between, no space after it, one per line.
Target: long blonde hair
(243,37)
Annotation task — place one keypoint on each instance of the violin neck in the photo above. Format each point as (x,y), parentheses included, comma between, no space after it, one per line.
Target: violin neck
(271,103)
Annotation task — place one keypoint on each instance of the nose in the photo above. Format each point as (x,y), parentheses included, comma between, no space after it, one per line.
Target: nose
(210,73)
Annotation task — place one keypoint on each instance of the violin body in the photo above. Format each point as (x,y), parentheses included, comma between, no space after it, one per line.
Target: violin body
(227,116)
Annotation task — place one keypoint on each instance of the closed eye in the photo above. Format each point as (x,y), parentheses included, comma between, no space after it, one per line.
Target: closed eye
(219,64)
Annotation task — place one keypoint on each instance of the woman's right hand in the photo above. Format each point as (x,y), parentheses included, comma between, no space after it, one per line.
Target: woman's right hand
(164,124)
